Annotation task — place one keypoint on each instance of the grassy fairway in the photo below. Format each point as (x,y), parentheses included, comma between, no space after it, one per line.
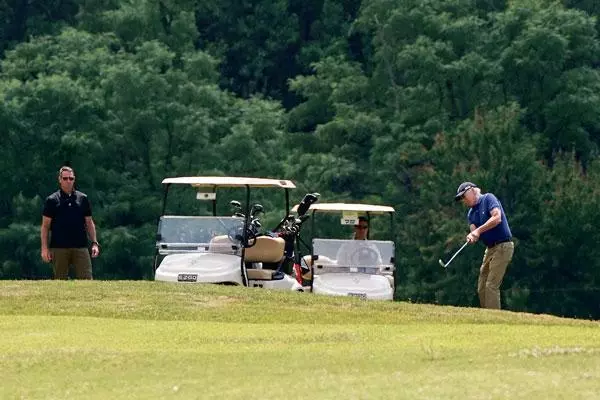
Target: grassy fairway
(127,340)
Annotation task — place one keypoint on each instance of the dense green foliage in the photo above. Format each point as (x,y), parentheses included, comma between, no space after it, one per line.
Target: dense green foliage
(374,101)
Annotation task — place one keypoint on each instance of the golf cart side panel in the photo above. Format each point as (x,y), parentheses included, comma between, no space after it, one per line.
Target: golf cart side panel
(284,282)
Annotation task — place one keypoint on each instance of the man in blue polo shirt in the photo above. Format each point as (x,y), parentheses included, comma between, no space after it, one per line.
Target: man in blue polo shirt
(488,223)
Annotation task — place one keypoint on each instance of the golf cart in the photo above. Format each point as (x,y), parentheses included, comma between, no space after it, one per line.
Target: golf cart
(349,267)
(225,249)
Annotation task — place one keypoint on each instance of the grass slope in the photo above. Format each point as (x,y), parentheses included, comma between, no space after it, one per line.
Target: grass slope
(145,340)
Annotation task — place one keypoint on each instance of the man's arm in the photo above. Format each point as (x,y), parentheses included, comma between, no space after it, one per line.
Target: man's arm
(44,231)
(495,220)
(90,227)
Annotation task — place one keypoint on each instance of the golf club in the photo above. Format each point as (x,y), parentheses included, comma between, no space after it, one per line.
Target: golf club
(452,258)
(256,209)
(235,205)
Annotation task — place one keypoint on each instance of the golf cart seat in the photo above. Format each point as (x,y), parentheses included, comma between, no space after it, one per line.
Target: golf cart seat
(220,244)
(266,250)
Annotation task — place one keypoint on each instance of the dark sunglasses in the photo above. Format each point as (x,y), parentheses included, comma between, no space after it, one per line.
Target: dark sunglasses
(68,178)
(361,227)
(465,192)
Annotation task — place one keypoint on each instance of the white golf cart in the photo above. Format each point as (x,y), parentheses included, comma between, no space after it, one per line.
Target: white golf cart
(349,267)
(225,249)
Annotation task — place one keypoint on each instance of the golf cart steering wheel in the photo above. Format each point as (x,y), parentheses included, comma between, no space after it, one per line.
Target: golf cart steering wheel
(365,256)
(236,236)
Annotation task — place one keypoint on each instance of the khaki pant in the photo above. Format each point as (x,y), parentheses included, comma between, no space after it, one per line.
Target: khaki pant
(491,273)
(78,257)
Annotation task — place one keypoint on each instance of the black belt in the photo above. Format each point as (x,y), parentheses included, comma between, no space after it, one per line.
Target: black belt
(498,242)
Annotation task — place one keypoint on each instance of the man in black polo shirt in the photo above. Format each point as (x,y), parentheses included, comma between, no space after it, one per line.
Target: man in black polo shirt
(67,216)
(488,222)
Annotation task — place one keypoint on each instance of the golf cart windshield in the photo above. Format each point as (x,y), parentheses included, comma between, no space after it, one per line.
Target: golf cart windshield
(178,234)
(366,256)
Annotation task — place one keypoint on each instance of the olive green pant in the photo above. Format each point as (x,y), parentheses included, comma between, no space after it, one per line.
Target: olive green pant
(491,273)
(79,258)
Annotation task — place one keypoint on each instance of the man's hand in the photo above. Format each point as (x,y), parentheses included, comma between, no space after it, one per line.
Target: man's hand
(473,236)
(95,250)
(46,254)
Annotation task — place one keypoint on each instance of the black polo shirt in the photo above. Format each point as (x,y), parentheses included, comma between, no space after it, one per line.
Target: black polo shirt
(68,212)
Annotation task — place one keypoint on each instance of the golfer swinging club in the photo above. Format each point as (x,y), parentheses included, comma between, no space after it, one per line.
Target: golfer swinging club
(488,222)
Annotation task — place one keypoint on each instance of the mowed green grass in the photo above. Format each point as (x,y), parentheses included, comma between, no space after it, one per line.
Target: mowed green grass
(155,340)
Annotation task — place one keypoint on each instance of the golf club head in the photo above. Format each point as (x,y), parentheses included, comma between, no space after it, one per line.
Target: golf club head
(442,263)
(308,199)
(236,205)
(257,209)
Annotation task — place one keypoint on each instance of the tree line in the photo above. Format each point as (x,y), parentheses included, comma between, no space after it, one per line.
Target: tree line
(373,101)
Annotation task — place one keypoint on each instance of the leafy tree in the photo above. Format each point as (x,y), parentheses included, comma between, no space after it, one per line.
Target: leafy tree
(562,276)
(254,41)
(549,51)
(24,18)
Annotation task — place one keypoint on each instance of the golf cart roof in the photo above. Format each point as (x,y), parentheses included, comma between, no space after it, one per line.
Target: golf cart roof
(336,207)
(229,181)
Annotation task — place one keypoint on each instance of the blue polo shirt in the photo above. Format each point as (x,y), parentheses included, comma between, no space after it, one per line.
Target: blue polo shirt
(481,212)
